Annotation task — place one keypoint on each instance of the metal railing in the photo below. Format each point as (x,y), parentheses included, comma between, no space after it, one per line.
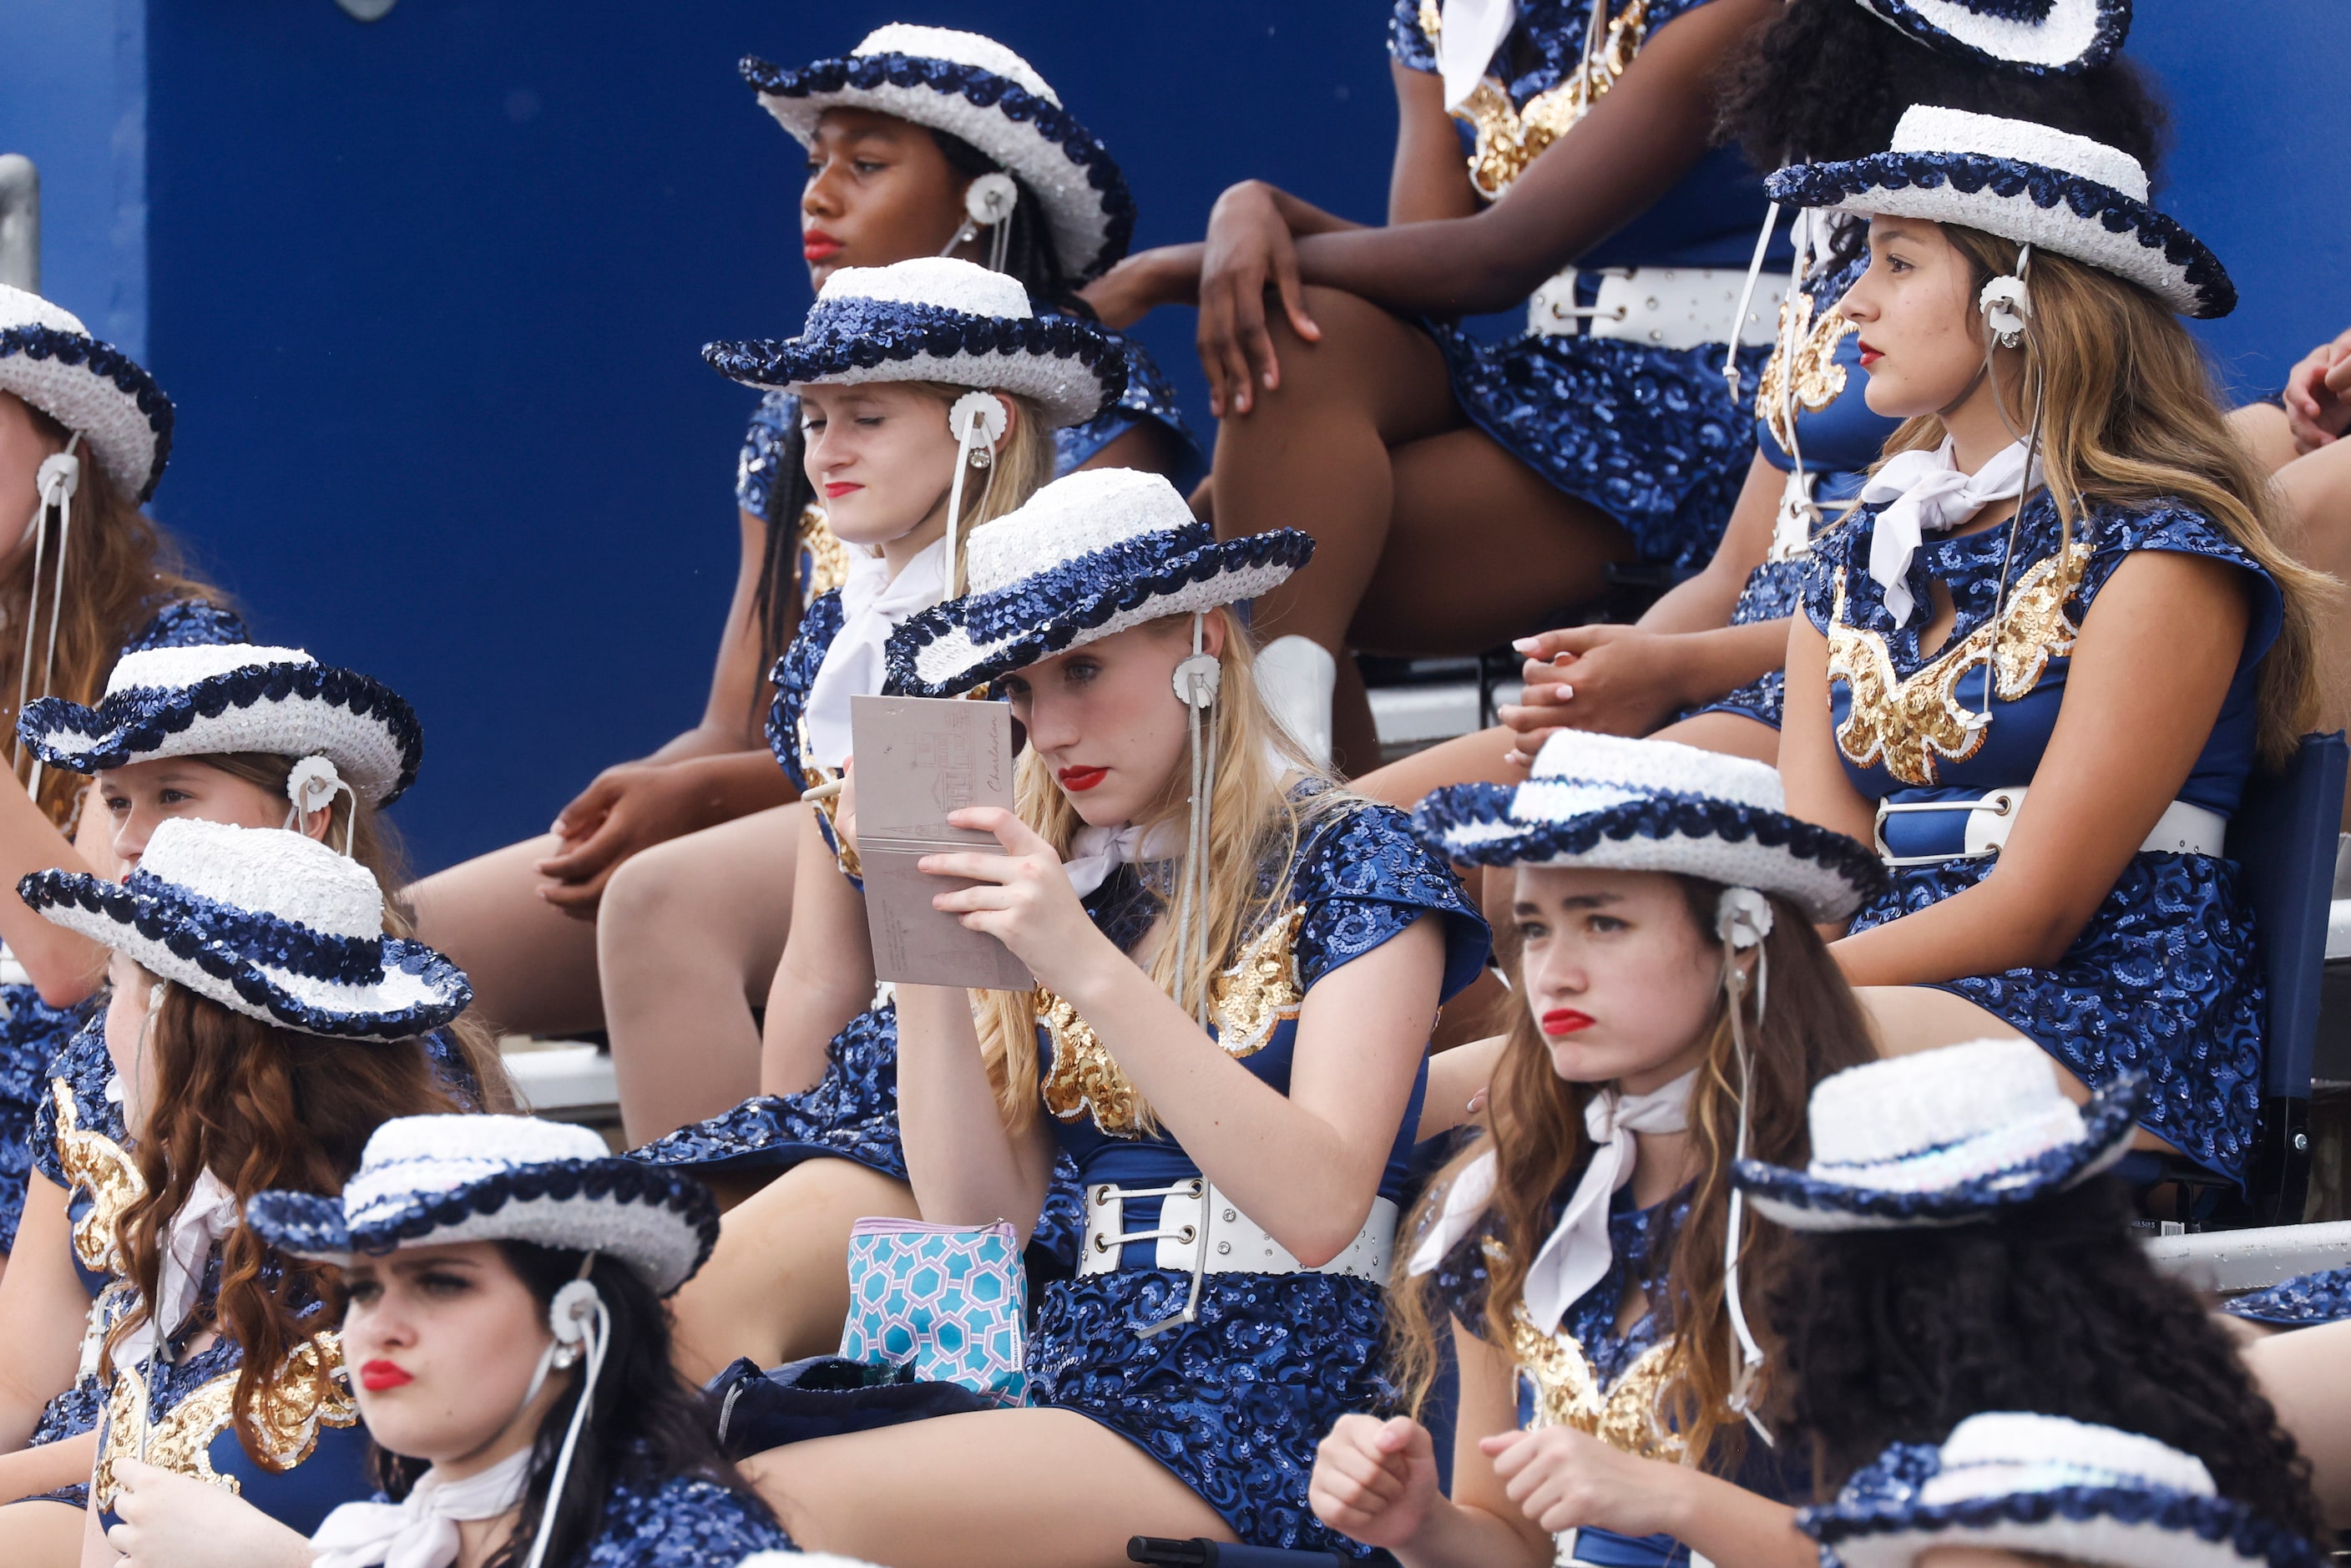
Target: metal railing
(20,223)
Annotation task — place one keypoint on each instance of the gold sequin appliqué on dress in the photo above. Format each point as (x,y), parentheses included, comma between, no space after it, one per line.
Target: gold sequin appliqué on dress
(1509,139)
(1250,1000)
(828,566)
(1807,368)
(1568,1392)
(310,1393)
(103,1168)
(1908,725)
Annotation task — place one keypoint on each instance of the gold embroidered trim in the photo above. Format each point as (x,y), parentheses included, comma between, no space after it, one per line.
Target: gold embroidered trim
(828,557)
(311,1392)
(1568,1394)
(103,1168)
(1509,139)
(1909,725)
(1811,372)
(1250,1001)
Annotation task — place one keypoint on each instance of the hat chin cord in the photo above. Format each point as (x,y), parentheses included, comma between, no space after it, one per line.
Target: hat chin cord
(312,786)
(1742,919)
(55,485)
(1198,680)
(581,1323)
(977,422)
(988,203)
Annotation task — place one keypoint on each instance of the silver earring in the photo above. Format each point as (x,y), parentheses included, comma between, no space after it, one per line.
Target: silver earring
(566,1357)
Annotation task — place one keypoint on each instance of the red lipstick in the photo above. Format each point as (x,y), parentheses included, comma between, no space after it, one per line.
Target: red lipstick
(1870,356)
(376,1376)
(1565,1021)
(1077,781)
(834,491)
(816,245)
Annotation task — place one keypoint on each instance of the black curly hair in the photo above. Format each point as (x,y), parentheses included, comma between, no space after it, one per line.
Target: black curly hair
(1826,79)
(2052,1307)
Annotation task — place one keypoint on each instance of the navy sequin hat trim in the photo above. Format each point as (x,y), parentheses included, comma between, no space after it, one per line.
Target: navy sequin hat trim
(2072,215)
(153,920)
(1136,580)
(2233,1533)
(143,721)
(124,377)
(1071,366)
(1656,817)
(2024,36)
(1093,210)
(1802,1201)
(311,1226)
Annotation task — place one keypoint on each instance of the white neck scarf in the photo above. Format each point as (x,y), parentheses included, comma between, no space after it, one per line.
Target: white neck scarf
(1577,1253)
(873,603)
(210,1213)
(1925,494)
(1466,37)
(1096,852)
(421,1531)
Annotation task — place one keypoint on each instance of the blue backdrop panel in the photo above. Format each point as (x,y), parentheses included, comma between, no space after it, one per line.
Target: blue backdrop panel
(429,292)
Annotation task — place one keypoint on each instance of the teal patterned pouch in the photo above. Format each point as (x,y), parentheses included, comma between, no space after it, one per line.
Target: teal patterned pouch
(950,1299)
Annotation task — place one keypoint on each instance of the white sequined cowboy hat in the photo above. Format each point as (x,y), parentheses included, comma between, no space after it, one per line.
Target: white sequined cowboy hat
(51,361)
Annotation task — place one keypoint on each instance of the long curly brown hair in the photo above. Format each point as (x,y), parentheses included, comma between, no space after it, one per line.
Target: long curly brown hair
(120,568)
(1812,1027)
(261,1107)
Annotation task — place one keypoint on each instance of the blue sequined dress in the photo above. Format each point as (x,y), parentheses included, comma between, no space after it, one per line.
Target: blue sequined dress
(2164,979)
(852,1112)
(81,1143)
(1815,385)
(179,1415)
(1649,435)
(1149,399)
(683,1522)
(32,1031)
(1234,1403)
(1590,1375)
(2304,1301)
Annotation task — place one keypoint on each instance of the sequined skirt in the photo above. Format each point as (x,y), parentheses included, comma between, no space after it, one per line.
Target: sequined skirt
(69,1414)
(1648,435)
(2304,1301)
(851,1113)
(31,1034)
(1233,1404)
(1773,593)
(2164,981)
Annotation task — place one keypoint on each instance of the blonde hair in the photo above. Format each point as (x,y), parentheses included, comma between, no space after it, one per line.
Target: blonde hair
(1253,823)
(2128,418)
(1021,466)
(120,569)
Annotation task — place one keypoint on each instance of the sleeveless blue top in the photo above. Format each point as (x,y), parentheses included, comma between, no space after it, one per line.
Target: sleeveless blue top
(2164,981)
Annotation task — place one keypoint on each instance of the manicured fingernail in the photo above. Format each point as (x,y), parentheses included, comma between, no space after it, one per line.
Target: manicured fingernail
(1563,660)
(1566,692)
(1527,645)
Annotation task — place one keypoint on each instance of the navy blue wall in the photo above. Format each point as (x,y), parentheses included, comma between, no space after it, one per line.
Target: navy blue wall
(428,292)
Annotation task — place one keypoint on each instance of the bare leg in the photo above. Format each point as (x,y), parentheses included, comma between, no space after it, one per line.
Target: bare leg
(42,1534)
(2317,491)
(2307,1375)
(1726,733)
(1476,758)
(1908,1019)
(1018,1489)
(776,1288)
(1314,454)
(532,966)
(1480,549)
(687,936)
